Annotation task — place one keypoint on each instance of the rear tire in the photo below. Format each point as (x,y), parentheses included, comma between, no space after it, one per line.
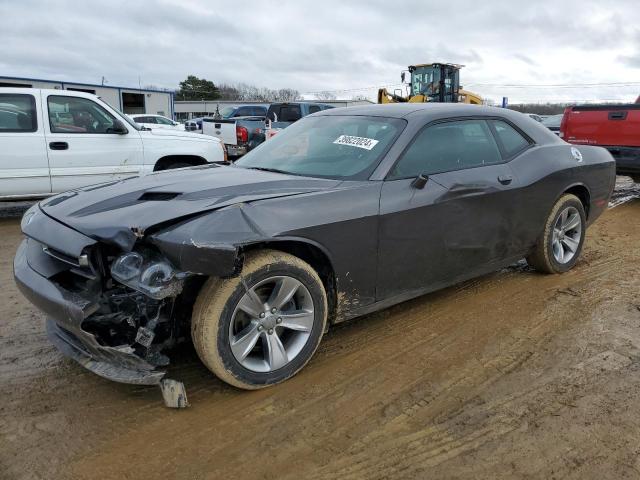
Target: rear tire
(560,244)
(261,327)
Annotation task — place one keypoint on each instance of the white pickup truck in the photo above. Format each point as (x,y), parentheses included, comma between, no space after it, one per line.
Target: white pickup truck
(57,140)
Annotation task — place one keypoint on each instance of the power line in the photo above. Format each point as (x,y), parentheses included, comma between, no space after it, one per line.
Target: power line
(559,85)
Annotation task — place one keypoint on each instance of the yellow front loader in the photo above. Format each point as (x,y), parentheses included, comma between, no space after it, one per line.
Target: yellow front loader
(433,82)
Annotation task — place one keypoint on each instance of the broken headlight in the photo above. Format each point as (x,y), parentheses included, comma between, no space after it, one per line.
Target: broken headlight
(148,274)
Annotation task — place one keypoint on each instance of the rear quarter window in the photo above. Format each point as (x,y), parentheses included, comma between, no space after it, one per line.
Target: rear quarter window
(512,141)
(17,113)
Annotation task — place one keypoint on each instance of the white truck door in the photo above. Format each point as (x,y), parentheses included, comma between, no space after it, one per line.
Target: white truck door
(83,148)
(24,167)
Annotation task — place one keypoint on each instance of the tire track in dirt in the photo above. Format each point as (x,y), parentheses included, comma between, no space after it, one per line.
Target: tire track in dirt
(426,389)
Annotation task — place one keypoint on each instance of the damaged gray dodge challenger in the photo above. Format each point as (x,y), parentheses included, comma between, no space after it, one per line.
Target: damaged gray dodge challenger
(346,212)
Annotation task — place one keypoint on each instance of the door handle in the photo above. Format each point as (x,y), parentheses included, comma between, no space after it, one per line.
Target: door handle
(505,179)
(59,146)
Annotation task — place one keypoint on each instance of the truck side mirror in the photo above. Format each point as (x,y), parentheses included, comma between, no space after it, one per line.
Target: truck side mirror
(118,127)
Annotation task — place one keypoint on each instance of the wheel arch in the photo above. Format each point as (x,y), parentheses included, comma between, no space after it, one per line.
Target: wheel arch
(165,162)
(312,253)
(582,192)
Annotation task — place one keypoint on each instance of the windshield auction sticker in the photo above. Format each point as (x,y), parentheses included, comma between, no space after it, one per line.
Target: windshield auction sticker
(360,142)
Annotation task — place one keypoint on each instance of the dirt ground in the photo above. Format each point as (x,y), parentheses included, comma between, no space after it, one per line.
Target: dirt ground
(513,375)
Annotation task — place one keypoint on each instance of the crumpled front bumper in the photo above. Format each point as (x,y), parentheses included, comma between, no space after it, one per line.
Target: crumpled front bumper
(66,311)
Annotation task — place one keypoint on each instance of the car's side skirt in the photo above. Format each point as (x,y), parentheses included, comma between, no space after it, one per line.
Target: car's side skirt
(403,297)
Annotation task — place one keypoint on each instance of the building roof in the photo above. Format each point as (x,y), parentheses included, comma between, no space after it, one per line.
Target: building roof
(63,82)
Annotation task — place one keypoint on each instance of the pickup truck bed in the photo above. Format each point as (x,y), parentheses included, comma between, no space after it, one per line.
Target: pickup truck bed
(240,134)
(615,127)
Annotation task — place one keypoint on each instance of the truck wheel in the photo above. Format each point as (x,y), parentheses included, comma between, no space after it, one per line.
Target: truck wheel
(261,327)
(560,244)
(635,178)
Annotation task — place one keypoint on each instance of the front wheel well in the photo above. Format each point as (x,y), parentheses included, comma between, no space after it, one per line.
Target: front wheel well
(315,257)
(165,163)
(583,194)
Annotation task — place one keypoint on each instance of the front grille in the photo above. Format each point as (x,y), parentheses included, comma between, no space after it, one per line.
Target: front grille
(86,271)
(61,256)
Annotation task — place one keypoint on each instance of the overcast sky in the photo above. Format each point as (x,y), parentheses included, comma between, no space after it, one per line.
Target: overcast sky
(330,44)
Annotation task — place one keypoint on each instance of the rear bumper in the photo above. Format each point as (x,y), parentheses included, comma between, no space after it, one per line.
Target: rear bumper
(66,312)
(627,159)
(236,150)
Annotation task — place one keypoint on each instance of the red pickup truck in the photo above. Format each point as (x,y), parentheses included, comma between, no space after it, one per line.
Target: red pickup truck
(615,127)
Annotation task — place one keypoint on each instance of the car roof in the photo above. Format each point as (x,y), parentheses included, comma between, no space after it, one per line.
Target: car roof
(47,91)
(418,110)
(423,113)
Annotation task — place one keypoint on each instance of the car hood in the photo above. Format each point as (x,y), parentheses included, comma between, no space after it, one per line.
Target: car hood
(173,133)
(121,211)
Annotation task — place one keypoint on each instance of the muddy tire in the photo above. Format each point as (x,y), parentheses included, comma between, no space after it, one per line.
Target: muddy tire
(560,244)
(261,327)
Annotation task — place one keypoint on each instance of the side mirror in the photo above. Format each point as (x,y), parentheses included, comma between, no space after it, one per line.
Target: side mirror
(420,181)
(119,128)
(402,77)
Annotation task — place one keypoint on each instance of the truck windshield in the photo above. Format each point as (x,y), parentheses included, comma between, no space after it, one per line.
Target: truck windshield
(340,147)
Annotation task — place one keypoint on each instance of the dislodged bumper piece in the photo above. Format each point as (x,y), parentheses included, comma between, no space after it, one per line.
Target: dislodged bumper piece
(66,311)
(70,346)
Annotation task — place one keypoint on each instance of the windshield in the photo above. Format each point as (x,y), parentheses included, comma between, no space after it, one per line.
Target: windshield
(128,119)
(330,146)
(226,112)
(424,80)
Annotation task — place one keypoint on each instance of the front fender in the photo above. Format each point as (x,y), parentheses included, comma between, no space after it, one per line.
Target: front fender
(208,244)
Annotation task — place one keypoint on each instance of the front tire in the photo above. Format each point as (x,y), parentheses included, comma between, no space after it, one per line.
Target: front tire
(261,327)
(560,245)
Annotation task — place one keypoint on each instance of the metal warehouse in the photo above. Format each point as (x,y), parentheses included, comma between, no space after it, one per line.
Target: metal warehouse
(125,99)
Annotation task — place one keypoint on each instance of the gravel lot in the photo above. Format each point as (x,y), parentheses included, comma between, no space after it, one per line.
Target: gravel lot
(512,375)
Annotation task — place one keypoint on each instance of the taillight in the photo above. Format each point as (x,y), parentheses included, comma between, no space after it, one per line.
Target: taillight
(242,134)
(563,123)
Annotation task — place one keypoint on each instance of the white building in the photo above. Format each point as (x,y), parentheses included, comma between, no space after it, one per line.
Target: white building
(127,100)
(187,109)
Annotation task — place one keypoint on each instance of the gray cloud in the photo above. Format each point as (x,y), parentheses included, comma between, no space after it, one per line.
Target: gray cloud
(329,45)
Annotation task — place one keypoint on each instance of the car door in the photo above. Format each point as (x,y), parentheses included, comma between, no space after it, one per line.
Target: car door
(24,166)
(83,147)
(457,224)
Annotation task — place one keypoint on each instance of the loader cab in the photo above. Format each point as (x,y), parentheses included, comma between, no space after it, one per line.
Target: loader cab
(438,82)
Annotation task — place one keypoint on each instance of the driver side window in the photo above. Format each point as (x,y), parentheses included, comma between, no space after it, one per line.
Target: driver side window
(78,115)
(448,146)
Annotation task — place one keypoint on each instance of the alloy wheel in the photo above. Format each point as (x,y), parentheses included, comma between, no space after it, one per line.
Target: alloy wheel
(567,234)
(271,324)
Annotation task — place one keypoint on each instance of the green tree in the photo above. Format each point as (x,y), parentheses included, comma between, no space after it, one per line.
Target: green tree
(194,88)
